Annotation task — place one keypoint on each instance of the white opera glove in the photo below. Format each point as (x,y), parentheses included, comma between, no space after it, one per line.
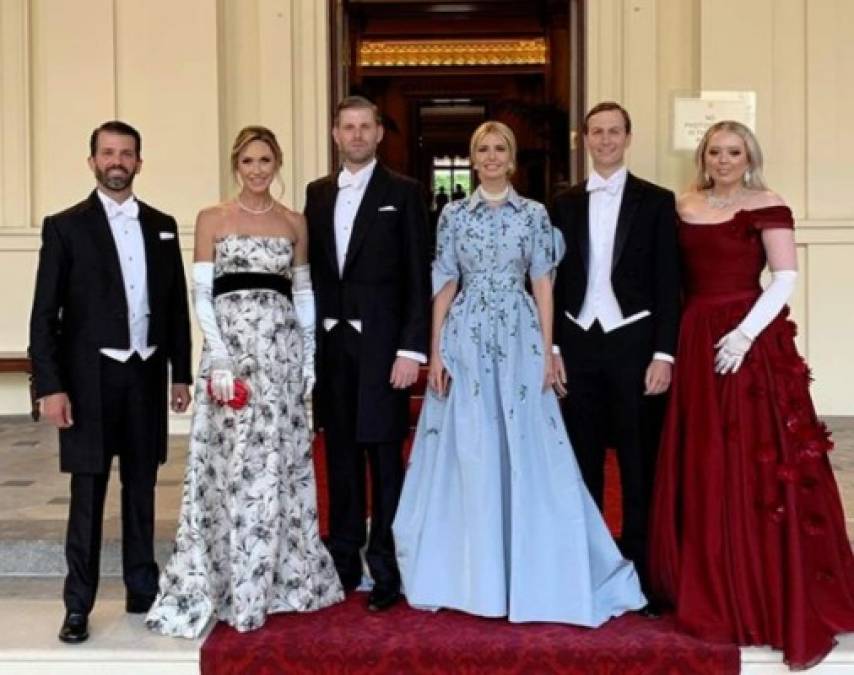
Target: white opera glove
(304,307)
(222,370)
(733,347)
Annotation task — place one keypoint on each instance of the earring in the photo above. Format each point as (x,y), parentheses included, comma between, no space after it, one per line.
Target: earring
(746,177)
(707,179)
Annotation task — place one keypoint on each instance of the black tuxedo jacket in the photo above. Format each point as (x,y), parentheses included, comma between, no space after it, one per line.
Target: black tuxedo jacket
(645,266)
(385,284)
(80,307)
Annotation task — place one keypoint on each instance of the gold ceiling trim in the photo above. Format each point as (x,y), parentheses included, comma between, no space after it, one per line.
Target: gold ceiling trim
(479,52)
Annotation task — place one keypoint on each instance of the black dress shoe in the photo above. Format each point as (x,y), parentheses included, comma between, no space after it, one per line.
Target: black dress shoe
(138,604)
(382,598)
(650,610)
(75,628)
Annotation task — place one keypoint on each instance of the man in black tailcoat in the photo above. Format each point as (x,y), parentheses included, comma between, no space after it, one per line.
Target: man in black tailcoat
(616,320)
(370,266)
(109,321)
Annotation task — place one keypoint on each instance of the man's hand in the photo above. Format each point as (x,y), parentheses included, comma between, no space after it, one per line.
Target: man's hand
(404,372)
(658,375)
(559,371)
(180,397)
(56,409)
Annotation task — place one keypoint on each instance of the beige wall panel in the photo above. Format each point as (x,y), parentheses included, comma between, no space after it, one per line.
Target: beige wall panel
(640,84)
(277,65)
(73,90)
(830,325)
(736,49)
(14,394)
(311,132)
(276,74)
(830,100)
(17,277)
(605,41)
(785,143)
(19,270)
(773,65)
(14,113)
(240,78)
(167,86)
(678,73)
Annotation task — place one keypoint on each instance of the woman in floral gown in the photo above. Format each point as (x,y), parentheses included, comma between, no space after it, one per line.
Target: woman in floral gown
(748,535)
(248,543)
(494,518)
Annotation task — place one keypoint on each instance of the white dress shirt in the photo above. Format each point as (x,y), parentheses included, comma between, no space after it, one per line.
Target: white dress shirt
(351,190)
(600,302)
(127,234)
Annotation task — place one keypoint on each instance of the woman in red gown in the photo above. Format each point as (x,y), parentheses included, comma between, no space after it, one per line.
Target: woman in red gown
(748,537)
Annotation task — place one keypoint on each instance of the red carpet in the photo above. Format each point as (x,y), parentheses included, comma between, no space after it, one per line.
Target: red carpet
(347,638)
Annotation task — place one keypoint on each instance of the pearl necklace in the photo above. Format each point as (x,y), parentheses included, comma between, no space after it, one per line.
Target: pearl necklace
(723,202)
(494,196)
(256,212)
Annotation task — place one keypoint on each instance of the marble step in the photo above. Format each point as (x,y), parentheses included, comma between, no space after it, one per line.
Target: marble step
(31,612)
(46,558)
(30,615)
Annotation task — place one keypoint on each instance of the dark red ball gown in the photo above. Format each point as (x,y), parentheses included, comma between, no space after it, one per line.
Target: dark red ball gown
(748,535)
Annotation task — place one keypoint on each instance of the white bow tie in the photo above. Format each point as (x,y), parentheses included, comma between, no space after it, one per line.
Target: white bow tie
(596,182)
(129,209)
(347,179)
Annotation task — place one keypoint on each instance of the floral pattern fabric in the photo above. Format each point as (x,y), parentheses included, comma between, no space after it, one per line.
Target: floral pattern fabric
(494,518)
(248,542)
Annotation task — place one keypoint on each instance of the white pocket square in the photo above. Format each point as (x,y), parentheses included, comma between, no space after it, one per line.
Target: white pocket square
(167,235)
(388,208)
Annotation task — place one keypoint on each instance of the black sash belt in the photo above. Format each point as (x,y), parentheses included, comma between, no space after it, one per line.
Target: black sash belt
(247,281)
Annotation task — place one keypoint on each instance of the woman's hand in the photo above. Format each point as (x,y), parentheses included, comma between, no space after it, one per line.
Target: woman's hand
(438,378)
(559,374)
(550,373)
(732,348)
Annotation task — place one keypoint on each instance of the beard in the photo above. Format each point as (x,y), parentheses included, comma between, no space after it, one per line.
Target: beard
(114,178)
(360,155)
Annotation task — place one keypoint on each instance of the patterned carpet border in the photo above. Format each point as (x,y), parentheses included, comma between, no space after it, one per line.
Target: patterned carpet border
(348,639)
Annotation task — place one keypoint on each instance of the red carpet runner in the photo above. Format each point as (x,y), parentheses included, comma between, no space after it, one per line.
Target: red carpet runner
(348,639)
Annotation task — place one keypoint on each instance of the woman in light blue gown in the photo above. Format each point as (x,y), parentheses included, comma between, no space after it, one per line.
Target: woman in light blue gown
(494,518)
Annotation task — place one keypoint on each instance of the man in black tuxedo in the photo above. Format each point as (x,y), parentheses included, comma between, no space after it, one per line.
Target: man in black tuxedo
(370,266)
(616,319)
(109,317)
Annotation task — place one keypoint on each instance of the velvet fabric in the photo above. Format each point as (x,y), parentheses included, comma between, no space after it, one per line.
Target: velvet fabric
(748,538)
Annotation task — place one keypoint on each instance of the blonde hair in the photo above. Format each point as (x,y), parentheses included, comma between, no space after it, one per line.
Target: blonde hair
(249,135)
(500,129)
(753,177)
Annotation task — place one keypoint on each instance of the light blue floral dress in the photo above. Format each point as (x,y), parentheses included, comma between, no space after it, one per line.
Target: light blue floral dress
(494,518)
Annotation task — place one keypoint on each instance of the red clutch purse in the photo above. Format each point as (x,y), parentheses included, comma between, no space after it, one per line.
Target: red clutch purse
(241,395)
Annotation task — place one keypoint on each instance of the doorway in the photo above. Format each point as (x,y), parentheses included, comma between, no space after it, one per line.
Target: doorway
(437,69)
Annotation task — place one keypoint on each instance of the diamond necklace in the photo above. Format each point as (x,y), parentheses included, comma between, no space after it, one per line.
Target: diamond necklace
(723,202)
